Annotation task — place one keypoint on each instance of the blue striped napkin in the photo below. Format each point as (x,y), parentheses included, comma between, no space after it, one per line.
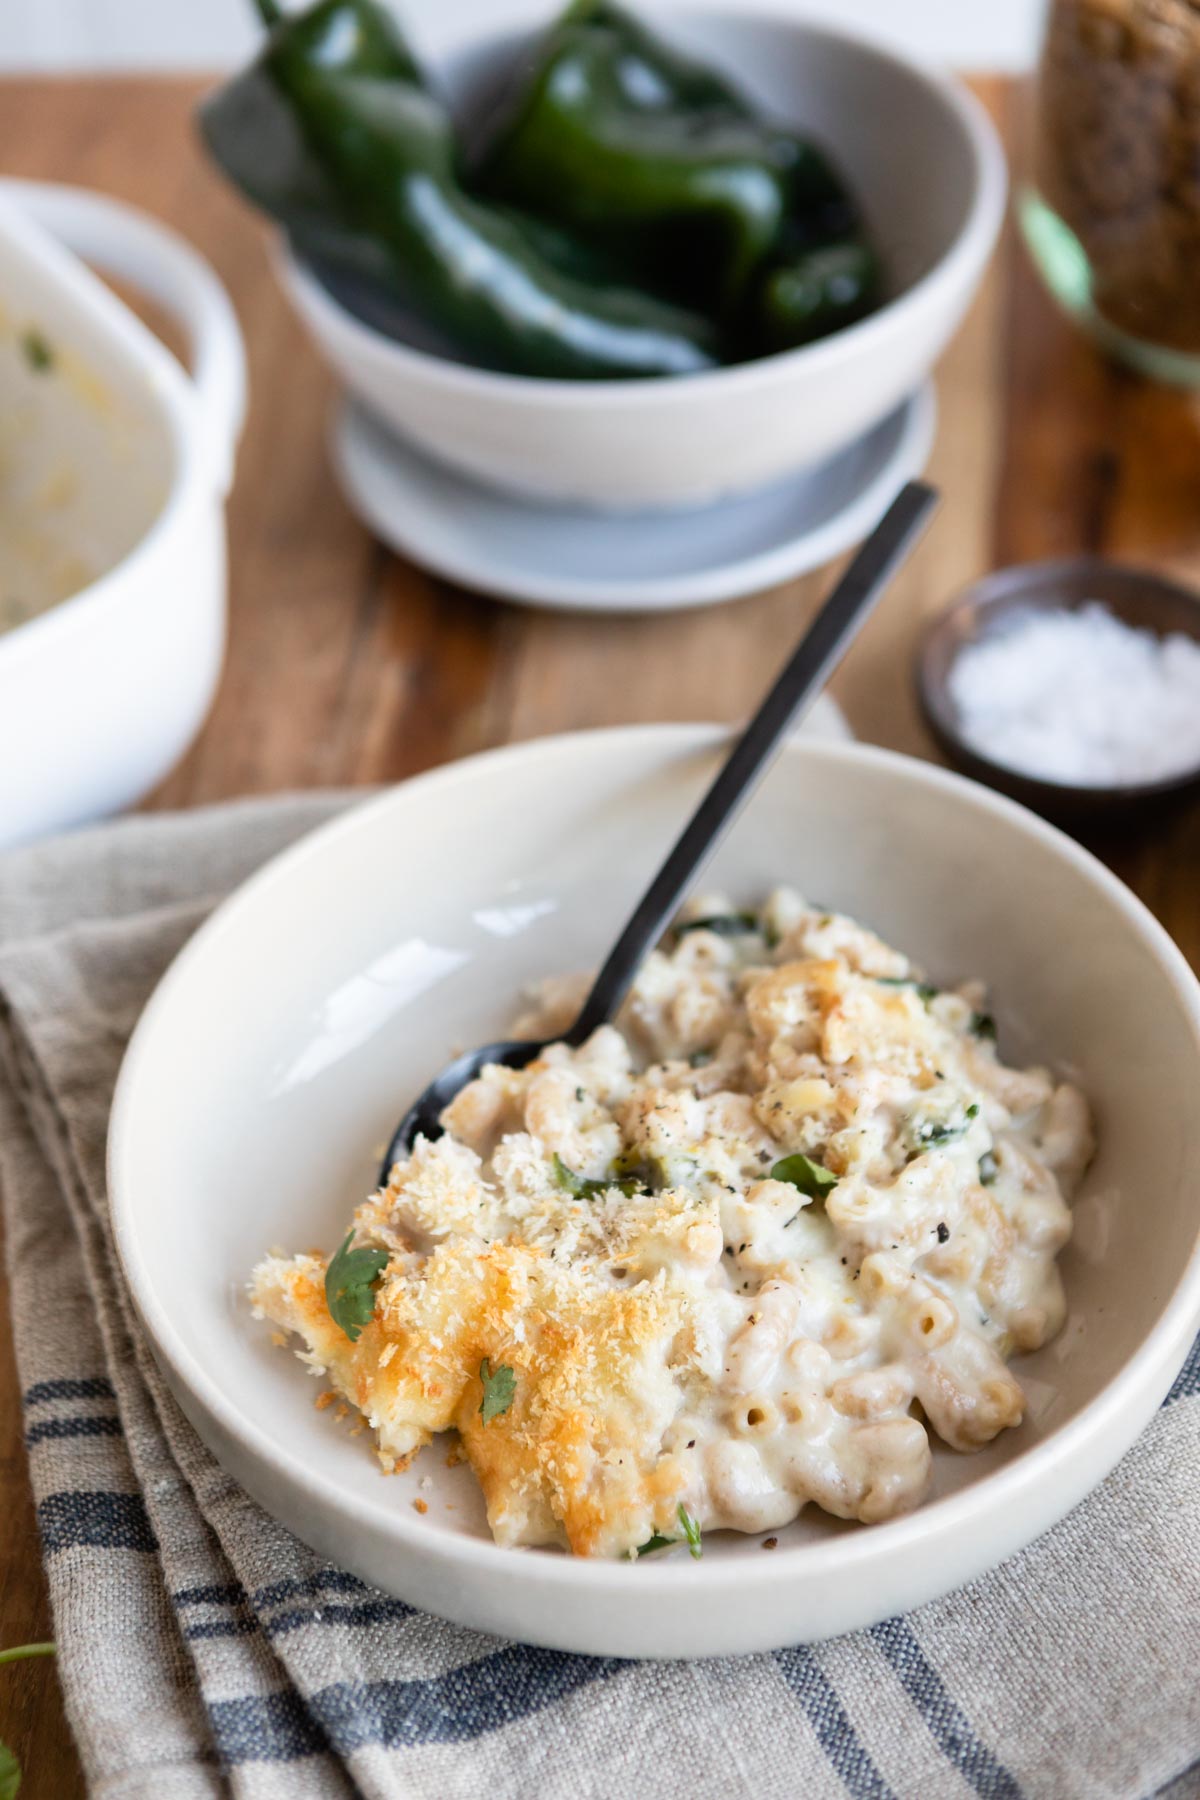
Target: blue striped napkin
(204,1651)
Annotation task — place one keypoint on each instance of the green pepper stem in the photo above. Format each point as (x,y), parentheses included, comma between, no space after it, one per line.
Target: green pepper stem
(23,1650)
(269,11)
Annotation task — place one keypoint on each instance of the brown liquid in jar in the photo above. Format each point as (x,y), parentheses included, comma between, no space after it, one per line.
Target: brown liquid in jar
(1118,156)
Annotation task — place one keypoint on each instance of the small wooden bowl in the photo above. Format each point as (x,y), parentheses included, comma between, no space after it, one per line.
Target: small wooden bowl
(1139,598)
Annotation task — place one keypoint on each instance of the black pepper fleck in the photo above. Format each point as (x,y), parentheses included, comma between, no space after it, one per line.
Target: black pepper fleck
(943,1232)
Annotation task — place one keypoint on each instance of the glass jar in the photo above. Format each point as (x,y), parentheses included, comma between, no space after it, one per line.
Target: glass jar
(1113,214)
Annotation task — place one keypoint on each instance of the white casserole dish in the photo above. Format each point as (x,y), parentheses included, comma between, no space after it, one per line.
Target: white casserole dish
(113,471)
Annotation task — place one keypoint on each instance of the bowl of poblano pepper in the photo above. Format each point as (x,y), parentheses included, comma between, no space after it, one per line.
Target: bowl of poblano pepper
(596,259)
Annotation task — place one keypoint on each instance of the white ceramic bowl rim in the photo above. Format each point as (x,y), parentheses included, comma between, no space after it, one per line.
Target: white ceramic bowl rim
(47,211)
(1168,1339)
(985,211)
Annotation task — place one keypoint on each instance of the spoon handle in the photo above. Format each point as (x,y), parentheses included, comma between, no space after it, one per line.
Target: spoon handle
(816,656)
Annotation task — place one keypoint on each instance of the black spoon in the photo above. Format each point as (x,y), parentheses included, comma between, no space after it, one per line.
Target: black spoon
(817,655)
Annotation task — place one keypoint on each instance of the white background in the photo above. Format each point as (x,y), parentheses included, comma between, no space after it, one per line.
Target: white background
(210,34)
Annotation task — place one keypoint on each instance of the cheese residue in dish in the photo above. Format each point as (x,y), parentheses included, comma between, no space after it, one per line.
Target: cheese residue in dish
(85,468)
(745,1252)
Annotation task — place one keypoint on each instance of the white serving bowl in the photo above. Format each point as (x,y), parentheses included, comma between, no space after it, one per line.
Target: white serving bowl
(918,151)
(272,1062)
(119,465)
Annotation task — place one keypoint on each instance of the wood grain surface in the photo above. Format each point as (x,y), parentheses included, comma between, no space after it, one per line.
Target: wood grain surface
(348,666)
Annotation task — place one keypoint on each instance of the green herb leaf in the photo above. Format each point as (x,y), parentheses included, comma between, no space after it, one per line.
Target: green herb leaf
(586,1187)
(349,1286)
(498,1390)
(983,1026)
(699,1058)
(740,924)
(10,1768)
(21,1651)
(633,1171)
(654,1543)
(803,1173)
(931,1134)
(988,1169)
(37,351)
(924,990)
(691,1531)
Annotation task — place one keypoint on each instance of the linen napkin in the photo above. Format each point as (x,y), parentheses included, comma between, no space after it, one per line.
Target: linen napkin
(204,1651)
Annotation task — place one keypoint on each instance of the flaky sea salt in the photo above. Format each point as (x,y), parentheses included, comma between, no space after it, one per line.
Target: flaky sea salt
(1080,697)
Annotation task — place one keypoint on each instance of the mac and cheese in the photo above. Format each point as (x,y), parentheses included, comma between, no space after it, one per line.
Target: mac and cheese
(744,1251)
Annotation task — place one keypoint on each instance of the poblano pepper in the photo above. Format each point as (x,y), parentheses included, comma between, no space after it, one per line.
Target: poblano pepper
(620,139)
(656,74)
(334,134)
(812,294)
